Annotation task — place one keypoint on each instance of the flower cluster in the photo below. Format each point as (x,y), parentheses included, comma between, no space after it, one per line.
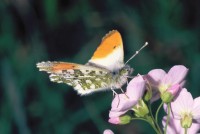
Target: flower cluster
(182,111)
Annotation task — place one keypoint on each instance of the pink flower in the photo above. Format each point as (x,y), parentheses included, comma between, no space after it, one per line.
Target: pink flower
(174,127)
(185,108)
(108,131)
(114,120)
(169,83)
(124,102)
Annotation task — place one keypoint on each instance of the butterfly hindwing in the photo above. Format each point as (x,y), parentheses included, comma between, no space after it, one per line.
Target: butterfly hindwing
(85,79)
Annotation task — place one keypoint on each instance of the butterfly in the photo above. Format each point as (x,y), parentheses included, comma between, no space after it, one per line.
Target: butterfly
(105,70)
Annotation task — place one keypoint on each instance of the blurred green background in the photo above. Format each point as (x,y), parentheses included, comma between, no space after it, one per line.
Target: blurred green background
(32,31)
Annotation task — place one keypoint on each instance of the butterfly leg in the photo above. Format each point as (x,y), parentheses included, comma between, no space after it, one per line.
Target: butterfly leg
(124,92)
(115,93)
(127,82)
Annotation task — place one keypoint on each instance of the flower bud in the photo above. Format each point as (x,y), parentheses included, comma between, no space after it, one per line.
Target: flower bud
(125,119)
(122,120)
(174,89)
(166,97)
(114,120)
(169,94)
(148,95)
(186,122)
(140,109)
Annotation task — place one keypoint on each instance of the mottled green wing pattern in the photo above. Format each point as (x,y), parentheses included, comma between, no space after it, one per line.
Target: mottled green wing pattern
(84,81)
(84,78)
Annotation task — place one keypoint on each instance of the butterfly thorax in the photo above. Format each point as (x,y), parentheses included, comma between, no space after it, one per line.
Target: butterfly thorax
(119,77)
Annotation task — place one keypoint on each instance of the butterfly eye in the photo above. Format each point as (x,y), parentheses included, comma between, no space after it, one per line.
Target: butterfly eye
(114,73)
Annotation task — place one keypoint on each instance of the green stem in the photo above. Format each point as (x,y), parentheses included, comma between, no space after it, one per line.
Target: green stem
(151,124)
(150,111)
(185,130)
(168,117)
(156,123)
(158,111)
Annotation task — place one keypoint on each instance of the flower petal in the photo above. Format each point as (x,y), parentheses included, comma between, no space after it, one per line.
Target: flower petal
(155,95)
(108,131)
(174,89)
(182,83)
(115,120)
(196,109)
(121,102)
(177,73)
(155,76)
(113,114)
(166,81)
(173,127)
(197,121)
(135,88)
(182,103)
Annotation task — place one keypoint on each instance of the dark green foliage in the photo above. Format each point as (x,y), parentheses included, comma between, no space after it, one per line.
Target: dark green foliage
(32,31)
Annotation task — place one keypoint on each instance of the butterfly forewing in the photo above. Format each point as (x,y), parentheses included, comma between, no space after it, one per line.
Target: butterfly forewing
(110,53)
(85,79)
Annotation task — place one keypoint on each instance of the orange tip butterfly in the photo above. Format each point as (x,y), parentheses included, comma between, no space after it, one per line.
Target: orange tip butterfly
(105,70)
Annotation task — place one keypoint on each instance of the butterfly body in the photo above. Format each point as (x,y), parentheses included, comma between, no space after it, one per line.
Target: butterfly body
(105,70)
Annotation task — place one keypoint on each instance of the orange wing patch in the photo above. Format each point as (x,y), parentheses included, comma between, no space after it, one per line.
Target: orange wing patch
(56,67)
(63,66)
(109,43)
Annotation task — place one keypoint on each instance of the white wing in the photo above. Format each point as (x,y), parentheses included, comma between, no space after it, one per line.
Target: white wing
(110,53)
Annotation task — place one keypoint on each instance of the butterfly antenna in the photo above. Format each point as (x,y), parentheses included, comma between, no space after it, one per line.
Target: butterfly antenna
(137,52)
